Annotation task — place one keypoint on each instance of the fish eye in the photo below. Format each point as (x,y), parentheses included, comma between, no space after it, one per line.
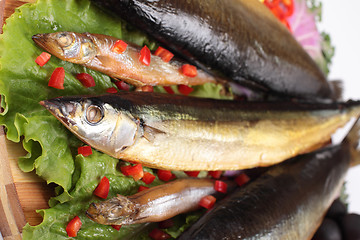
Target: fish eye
(94,114)
(65,39)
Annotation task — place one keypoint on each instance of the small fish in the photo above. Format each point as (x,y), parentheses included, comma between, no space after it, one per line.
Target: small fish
(239,38)
(152,205)
(182,133)
(95,52)
(287,202)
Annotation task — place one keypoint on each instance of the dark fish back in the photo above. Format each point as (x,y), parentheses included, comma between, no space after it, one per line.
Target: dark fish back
(239,38)
(269,206)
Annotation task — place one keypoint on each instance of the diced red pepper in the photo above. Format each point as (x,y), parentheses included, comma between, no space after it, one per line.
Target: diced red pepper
(86,79)
(271,3)
(220,186)
(148,178)
(184,89)
(192,173)
(189,70)
(102,189)
(85,150)
(73,227)
(116,227)
(136,172)
(215,174)
(145,56)
(142,188)
(158,234)
(165,55)
(43,58)
(166,224)
(111,90)
(125,170)
(121,85)
(119,46)
(57,78)
(242,179)
(207,201)
(147,88)
(168,89)
(165,175)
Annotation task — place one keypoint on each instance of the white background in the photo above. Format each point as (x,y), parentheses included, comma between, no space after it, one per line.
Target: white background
(341,19)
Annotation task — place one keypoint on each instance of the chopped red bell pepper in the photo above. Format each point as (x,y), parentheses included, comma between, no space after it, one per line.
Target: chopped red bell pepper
(168,89)
(145,56)
(192,173)
(242,179)
(136,172)
(121,85)
(142,188)
(85,150)
(111,90)
(158,234)
(119,46)
(184,89)
(189,70)
(43,58)
(165,55)
(207,201)
(86,79)
(166,224)
(148,178)
(57,78)
(116,227)
(220,186)
(73,227)
(125,170)
(215,174)
(102,189)
(165,175)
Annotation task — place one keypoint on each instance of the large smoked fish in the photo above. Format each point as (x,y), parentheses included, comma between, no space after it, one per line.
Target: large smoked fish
(239,38)
(182,133)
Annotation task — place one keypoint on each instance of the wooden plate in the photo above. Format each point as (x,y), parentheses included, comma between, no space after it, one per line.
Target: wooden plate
(20,193)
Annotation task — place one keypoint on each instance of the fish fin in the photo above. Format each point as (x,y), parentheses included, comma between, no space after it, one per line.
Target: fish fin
(352,139)
(150,132)
(337,87)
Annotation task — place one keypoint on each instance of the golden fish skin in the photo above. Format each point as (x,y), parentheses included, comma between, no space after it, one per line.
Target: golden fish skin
(182,133)
(95,52)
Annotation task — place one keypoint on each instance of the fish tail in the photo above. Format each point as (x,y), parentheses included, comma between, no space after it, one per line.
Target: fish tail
(352,139)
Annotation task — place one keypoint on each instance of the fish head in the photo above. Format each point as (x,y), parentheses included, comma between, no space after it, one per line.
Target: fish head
(96,123)
(69,46)
(115,211)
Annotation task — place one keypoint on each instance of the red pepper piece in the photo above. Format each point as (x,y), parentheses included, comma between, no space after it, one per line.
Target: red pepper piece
(220,186)
(184,89)
(85,150)
(192,173)
(125,170)
(43,58)
(145,56)
(136,172)
(102,189)
(73,227)
(288,7)
(271,3)
(148,178)
(165,55)
(207,201)
(119,46)
(57,78)
(189,70)
(142,188)
(165,175)
(147,88)
(111,90)
(166,224)
(158,234)
(121,85)
(242,179)
(86,79)
(117,227)
(168,89)
(215,174)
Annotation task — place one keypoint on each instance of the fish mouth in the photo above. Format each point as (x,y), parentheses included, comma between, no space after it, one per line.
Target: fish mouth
(41,39)
(59,110)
